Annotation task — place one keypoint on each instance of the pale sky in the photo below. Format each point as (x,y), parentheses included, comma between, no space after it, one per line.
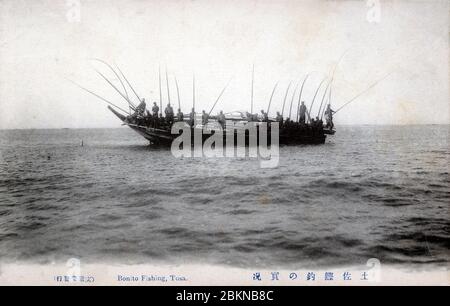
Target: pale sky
(43,43)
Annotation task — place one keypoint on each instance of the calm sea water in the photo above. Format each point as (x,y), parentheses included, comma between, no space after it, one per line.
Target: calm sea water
(370,191)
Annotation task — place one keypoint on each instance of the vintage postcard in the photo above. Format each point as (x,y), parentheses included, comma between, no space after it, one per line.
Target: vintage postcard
(200,143)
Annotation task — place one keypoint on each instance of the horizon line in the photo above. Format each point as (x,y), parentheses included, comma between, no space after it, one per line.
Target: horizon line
(117,127)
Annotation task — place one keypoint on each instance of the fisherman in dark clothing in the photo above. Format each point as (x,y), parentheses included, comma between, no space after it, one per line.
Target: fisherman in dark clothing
(279,118)
(221,119)
(140,109)
(155,110)
(302,113)
(148,118)
(252,117)
(180,115)
(264,116)
(192,118)
(205,118)
(169,114)
(318,124)
(329,117)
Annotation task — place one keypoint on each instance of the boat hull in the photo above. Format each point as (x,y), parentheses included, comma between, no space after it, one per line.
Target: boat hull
(287,136)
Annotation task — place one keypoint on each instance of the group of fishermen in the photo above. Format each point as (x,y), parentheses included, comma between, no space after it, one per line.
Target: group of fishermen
(303,112)
(155,119)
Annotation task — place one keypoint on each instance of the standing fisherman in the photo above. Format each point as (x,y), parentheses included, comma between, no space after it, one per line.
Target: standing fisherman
(192,118)
(204,117)
(180,115)
(302,113)
(140,109)
(329,117)
(264,116)
(279,118)
(155,110)
(169,114)
(221,119)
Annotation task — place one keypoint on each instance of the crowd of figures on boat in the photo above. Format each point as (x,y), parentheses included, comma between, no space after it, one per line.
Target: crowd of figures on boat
(155,119)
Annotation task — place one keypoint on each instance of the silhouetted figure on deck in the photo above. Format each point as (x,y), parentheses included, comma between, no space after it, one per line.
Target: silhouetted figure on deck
(279,118)
(139,111)
(205,117)
(169,114)
(287,123)
(180,115)
(264,116)
(221,119)
(155,110)
(192,118)
(302,113)
(329,117)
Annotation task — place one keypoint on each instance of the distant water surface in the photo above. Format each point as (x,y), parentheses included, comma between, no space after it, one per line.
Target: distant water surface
(369,192)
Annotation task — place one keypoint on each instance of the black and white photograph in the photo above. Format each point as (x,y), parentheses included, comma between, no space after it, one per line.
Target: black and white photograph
(222,143)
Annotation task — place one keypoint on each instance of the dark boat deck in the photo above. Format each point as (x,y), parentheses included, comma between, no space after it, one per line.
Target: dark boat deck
(292,134)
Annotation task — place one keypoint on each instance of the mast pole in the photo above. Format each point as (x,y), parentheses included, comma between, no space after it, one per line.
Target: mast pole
(253,77)
(178,93)
(160,90)
(193,92)
(168,88)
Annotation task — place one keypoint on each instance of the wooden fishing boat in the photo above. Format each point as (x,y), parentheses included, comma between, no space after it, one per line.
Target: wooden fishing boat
(288,135)
(158,131)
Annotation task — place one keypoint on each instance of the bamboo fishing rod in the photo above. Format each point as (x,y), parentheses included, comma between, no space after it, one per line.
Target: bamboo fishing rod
(178,93)
(130,104)
(364,91)
(253,78)
(323,97)
(193,92)
(292,100)
(329,102)
(330,82)
(160,91)
(314,98)
(271,97)
(168,87)
(98,96)
(112,85)
(300,96)
(129,84)
(118,77)
(220,95)
(285,97)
